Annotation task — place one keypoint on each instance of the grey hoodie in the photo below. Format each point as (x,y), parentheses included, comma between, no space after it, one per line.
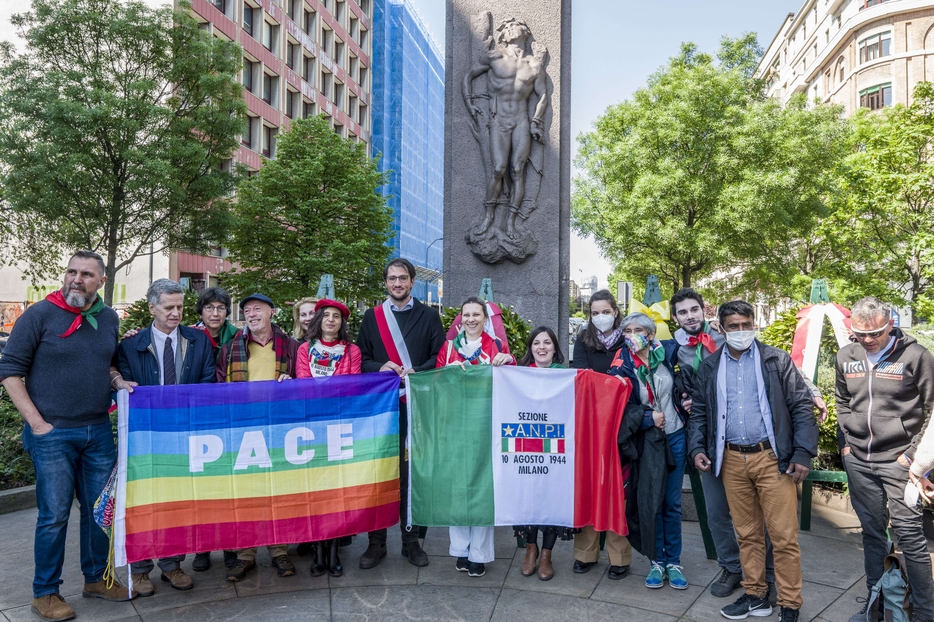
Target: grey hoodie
(883,409)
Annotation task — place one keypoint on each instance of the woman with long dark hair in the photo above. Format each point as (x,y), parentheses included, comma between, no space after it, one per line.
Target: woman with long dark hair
(595,349)
(541,351)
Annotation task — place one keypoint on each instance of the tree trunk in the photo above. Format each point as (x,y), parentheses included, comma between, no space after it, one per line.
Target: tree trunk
(686,275)
(111,276)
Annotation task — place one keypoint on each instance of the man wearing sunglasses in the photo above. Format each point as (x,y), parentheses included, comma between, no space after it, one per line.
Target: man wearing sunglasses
(885,392)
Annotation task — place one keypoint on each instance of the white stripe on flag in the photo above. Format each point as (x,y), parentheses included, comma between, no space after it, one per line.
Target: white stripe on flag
(533,487)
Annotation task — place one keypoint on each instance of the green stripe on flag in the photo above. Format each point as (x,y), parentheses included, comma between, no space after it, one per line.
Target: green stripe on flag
(451,451)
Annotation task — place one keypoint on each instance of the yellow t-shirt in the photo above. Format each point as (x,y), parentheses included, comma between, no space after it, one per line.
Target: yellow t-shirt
(262,363)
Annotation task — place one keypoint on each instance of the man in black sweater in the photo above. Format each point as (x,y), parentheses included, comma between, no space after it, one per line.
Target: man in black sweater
(401,335)
(57,370)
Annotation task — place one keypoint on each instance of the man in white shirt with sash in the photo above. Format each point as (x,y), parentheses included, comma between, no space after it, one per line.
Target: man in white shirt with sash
(404,336)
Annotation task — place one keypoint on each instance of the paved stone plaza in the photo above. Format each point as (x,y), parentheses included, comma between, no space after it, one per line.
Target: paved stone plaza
(396,590)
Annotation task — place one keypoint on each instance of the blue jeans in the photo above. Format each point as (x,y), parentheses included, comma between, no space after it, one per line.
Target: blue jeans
(668,519)
(69,461)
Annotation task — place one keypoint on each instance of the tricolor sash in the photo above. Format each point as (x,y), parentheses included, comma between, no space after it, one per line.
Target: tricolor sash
(391,336)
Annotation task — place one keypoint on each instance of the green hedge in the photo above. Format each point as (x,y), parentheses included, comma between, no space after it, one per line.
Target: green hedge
(15,465)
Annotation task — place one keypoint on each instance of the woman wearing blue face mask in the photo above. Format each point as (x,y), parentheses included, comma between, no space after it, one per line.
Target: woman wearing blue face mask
(649,365)
(596,347)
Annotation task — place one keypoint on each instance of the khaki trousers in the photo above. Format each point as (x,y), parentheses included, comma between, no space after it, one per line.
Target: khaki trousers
(759,496)
(249,555)
(587,547)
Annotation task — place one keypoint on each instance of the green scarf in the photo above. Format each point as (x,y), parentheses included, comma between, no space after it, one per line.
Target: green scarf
(645,372)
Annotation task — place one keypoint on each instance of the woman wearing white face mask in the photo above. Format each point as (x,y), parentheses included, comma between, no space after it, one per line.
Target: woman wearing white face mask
(595,349)
(649,365)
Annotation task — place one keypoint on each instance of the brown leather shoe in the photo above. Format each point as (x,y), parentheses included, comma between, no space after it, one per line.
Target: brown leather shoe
(531,556)
(545,569)
(116,592)
(143,585)
(53,607)
(178,579)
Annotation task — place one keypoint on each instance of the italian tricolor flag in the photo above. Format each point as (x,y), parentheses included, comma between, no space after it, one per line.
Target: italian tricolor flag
(516,446)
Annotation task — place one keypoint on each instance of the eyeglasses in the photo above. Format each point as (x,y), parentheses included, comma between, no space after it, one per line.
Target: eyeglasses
(398,279)
(216,308)
(874,334)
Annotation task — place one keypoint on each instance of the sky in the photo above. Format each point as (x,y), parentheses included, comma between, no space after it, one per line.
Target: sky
(617,44)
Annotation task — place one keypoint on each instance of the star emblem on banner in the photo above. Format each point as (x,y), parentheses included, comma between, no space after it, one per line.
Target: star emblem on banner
(507,431)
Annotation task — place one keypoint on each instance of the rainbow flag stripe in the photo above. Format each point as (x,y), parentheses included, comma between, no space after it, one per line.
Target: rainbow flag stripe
(230,466)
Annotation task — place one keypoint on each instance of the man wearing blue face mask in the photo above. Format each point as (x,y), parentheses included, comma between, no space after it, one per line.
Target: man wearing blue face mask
(752,423)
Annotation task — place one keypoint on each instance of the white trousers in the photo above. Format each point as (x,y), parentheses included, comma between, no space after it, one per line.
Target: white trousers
(474,543)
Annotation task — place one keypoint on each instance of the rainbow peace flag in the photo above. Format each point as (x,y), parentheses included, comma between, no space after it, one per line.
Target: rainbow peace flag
(228,466)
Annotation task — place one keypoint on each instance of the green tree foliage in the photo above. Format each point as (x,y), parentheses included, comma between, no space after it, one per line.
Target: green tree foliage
(114,124)
(312,210)
(699,173)
(883,229)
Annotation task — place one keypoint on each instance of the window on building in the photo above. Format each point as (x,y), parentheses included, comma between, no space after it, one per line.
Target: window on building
(338,51)
(291,53)
(270,36)
(841,70)
(354,25)
(326,4)
(310,21)
(352,67)
(876,97)
(308,109)
(364,39)
(293,9)
(339,130)
(248,131)
(270,88)
(339,94)
(308,71)
(269,141)
(249,13)
(363,76)
(875,47)
(362,116)
(340,10)
(248,69)
(327,41)
(352,107)
(220,5)
(828,83)
(291,104)
(364,6)
(326,81)
(869,3)
(827,36)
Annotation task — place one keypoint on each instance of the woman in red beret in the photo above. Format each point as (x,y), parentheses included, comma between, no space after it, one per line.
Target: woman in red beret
(328,350)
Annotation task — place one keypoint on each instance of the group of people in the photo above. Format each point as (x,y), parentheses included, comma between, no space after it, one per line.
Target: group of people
(712,398)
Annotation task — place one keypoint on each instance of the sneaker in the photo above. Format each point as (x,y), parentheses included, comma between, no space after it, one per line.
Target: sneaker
(745,606)
(656,578)
(52,607)
(239,570)
(862,614)
(787,614)
(676,577)
(462,565)
(476,570)
(202,562)
(726,583)
(178,579)
(283,566)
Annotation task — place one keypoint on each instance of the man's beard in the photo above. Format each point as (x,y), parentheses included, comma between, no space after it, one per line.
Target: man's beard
(696,330)
(78,299)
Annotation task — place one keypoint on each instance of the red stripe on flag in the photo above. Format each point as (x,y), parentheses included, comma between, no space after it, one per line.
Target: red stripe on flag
(599,498)
(560,445)
(533,445)
(241,535)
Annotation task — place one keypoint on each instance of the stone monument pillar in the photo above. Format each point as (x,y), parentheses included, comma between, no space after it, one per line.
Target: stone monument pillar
(507,155)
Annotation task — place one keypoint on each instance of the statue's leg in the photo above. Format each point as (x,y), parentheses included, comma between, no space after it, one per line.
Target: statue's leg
(490,209)
(521,147)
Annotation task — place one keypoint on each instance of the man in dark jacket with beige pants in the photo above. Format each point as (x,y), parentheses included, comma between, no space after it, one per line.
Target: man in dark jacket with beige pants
(752,422)
(885,392)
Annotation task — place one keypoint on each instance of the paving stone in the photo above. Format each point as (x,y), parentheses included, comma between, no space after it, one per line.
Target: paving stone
(85,608)
(422,602)
(312,606)
(441,571)
(565,582)
(515,606)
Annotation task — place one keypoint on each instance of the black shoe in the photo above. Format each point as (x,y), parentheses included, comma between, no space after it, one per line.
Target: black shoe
(304,548)
(476,570)
(239,570)
(787,614)
(462,564)
(283,566)
(773,593)
(230,559)
(334,562)
(862,615)
(745,606)
(202,562)
(414,553)
(726,583)
(615,572)
(582,567)
(373,554)
(320,564)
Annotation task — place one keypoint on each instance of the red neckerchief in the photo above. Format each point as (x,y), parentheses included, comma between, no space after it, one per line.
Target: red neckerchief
(58,300)
(704,339)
